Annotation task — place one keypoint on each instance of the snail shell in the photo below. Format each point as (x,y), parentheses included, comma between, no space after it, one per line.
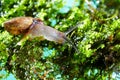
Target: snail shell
(18,25)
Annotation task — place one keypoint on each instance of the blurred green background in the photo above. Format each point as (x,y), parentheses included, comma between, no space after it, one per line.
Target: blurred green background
(98,41)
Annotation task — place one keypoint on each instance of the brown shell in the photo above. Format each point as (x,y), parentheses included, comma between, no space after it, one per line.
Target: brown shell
(18,25)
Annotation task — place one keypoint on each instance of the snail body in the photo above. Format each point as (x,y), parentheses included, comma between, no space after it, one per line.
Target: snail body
(46,32)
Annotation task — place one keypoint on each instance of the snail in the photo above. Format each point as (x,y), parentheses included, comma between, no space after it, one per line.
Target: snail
(34,27)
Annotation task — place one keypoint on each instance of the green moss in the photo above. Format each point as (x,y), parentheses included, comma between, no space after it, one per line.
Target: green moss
(98,41)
